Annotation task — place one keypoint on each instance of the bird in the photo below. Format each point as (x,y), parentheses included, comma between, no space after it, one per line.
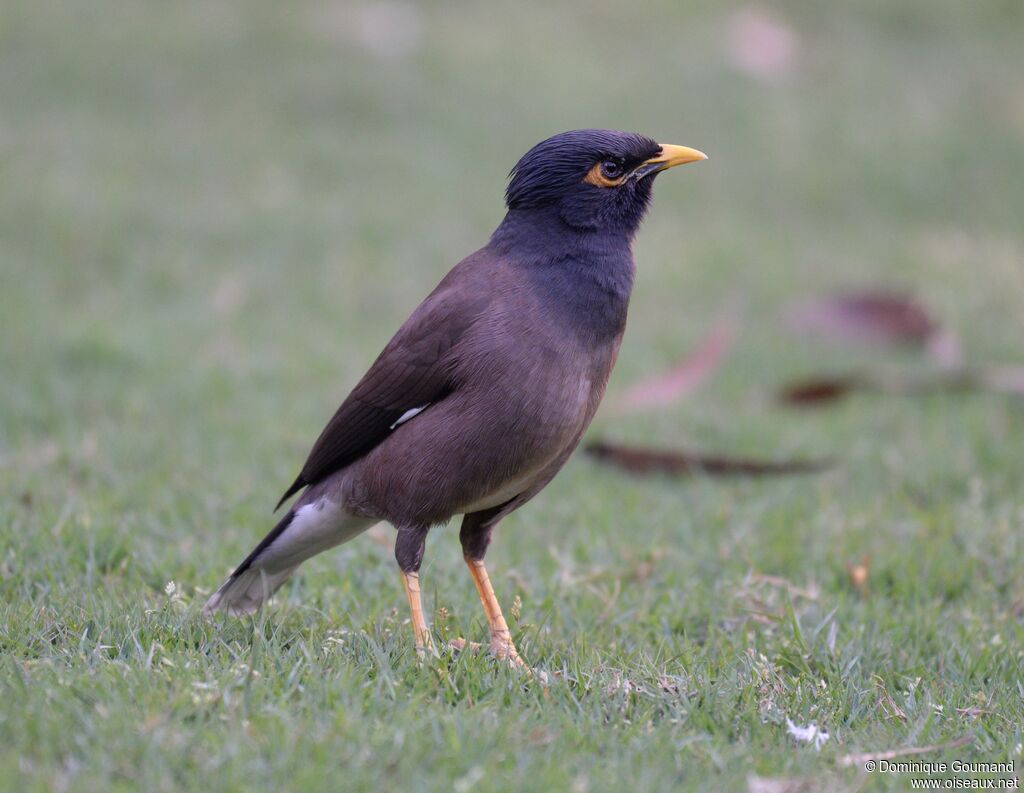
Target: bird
(484,392)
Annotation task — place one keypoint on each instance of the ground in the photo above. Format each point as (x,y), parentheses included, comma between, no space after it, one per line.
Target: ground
(213,215)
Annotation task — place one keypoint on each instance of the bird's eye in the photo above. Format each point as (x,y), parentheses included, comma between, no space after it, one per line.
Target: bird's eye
(606,173)
(611,169)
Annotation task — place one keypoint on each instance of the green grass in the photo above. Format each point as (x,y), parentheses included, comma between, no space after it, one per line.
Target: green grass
(214,214)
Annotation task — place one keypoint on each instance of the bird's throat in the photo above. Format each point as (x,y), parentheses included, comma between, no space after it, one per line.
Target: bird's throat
(583,278)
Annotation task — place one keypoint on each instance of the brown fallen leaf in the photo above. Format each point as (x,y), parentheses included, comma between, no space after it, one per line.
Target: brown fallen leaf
(820,390)
(639,460)
(687,375)
(817,391)
(871,316)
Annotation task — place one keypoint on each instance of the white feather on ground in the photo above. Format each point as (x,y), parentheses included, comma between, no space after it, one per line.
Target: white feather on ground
(812,733)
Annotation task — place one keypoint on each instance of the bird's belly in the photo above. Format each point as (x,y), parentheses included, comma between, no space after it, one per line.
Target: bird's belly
(541,442)
(505,492)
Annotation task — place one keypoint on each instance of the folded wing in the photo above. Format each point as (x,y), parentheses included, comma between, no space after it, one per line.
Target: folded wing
(413,371)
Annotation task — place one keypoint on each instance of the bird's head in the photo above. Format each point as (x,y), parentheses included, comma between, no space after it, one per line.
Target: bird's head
(594,179)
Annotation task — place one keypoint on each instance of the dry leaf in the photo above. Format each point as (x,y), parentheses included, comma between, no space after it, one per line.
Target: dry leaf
(820,390)
(689,374)
(638,460)
(817,391)
(877,316)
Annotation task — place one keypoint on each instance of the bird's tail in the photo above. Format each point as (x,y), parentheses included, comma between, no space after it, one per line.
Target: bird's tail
(245,592)
(251,585)
(300,534)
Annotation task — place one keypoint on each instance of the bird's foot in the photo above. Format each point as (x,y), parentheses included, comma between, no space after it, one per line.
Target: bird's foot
(505,650)
(460,645)
(501,647)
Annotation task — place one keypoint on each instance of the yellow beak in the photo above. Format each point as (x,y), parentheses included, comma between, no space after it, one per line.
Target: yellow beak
(670,156)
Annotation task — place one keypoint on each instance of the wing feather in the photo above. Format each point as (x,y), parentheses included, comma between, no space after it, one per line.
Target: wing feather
(413,370)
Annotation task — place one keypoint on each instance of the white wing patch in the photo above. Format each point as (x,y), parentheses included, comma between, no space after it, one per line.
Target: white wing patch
(409,414)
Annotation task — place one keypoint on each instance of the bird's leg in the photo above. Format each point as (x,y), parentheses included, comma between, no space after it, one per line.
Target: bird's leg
(475,536)
(501,638)
(419,624)
(409,547)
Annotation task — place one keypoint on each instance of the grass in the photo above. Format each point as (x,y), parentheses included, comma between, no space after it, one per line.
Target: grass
(213,215)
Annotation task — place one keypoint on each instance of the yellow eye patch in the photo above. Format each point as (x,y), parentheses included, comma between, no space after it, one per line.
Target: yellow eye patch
(596,177)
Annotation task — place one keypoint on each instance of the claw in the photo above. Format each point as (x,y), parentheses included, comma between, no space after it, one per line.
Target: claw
(501,648)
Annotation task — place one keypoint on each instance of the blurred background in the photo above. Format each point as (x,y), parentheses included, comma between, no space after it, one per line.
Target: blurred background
(214,214)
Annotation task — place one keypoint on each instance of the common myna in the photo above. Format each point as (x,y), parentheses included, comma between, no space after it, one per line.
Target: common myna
(485,391)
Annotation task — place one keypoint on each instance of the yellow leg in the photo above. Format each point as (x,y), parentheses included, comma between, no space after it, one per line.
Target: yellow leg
(419,624)
(501,637)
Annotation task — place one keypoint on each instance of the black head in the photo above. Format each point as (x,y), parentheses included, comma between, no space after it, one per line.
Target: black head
(594,179)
